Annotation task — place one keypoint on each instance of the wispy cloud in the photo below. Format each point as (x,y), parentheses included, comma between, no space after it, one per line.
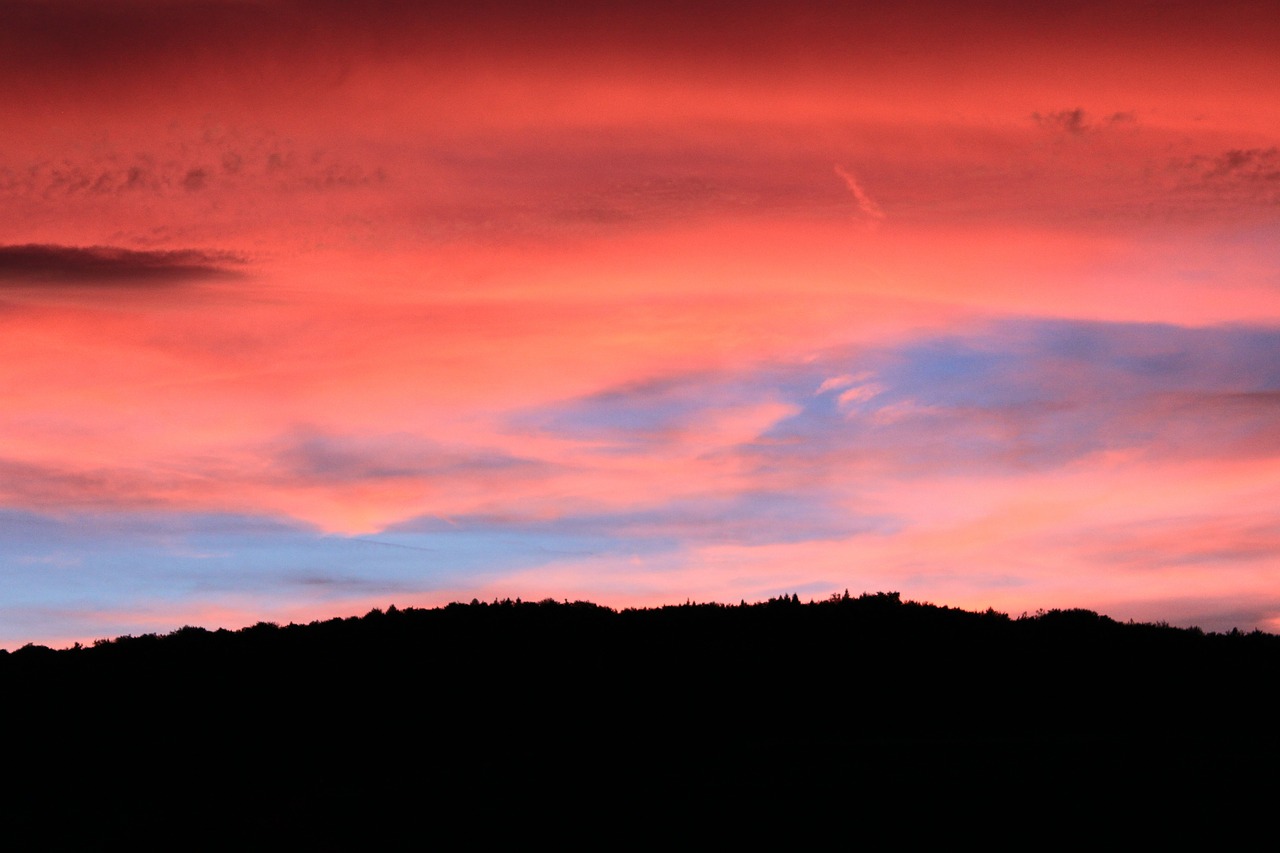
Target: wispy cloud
(1077,121)
(1248,163)
(844,380)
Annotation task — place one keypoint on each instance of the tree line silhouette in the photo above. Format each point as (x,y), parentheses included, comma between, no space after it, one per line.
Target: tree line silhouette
(862,702)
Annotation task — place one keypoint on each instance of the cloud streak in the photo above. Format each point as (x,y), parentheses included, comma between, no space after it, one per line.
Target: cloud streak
(866,204)
(53,266)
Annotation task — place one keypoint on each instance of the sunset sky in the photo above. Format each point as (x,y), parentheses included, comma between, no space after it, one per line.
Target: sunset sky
(312,307)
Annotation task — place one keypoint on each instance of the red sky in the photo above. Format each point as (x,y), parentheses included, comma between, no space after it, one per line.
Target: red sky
(636,304)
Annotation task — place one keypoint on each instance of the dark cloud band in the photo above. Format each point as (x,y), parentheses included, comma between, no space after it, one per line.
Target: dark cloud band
(53,265)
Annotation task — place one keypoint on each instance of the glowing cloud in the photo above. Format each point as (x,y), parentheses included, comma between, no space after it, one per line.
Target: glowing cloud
(430,300)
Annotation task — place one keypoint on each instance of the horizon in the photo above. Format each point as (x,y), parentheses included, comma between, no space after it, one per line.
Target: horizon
(309,307)
(835,598)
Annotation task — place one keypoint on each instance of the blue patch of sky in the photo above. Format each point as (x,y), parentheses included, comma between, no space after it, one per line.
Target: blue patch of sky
(55,572)
(1169,358)
(1000,369)
(106,560)
(637,413)
(1054,385)
(953,373)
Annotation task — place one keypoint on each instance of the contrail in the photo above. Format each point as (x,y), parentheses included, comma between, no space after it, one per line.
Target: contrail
(865,203)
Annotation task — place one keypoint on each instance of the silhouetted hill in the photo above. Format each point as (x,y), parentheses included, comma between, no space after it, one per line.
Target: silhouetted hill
(859,704)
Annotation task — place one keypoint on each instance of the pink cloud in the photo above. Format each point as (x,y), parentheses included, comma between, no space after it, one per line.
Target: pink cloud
(442,224)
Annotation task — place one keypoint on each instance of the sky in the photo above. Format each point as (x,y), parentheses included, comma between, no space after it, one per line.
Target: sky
(313,307)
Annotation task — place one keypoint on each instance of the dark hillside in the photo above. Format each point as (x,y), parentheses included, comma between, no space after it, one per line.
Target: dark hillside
(857,703)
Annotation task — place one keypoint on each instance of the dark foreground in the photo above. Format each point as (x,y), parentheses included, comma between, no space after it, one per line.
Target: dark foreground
(558,720)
